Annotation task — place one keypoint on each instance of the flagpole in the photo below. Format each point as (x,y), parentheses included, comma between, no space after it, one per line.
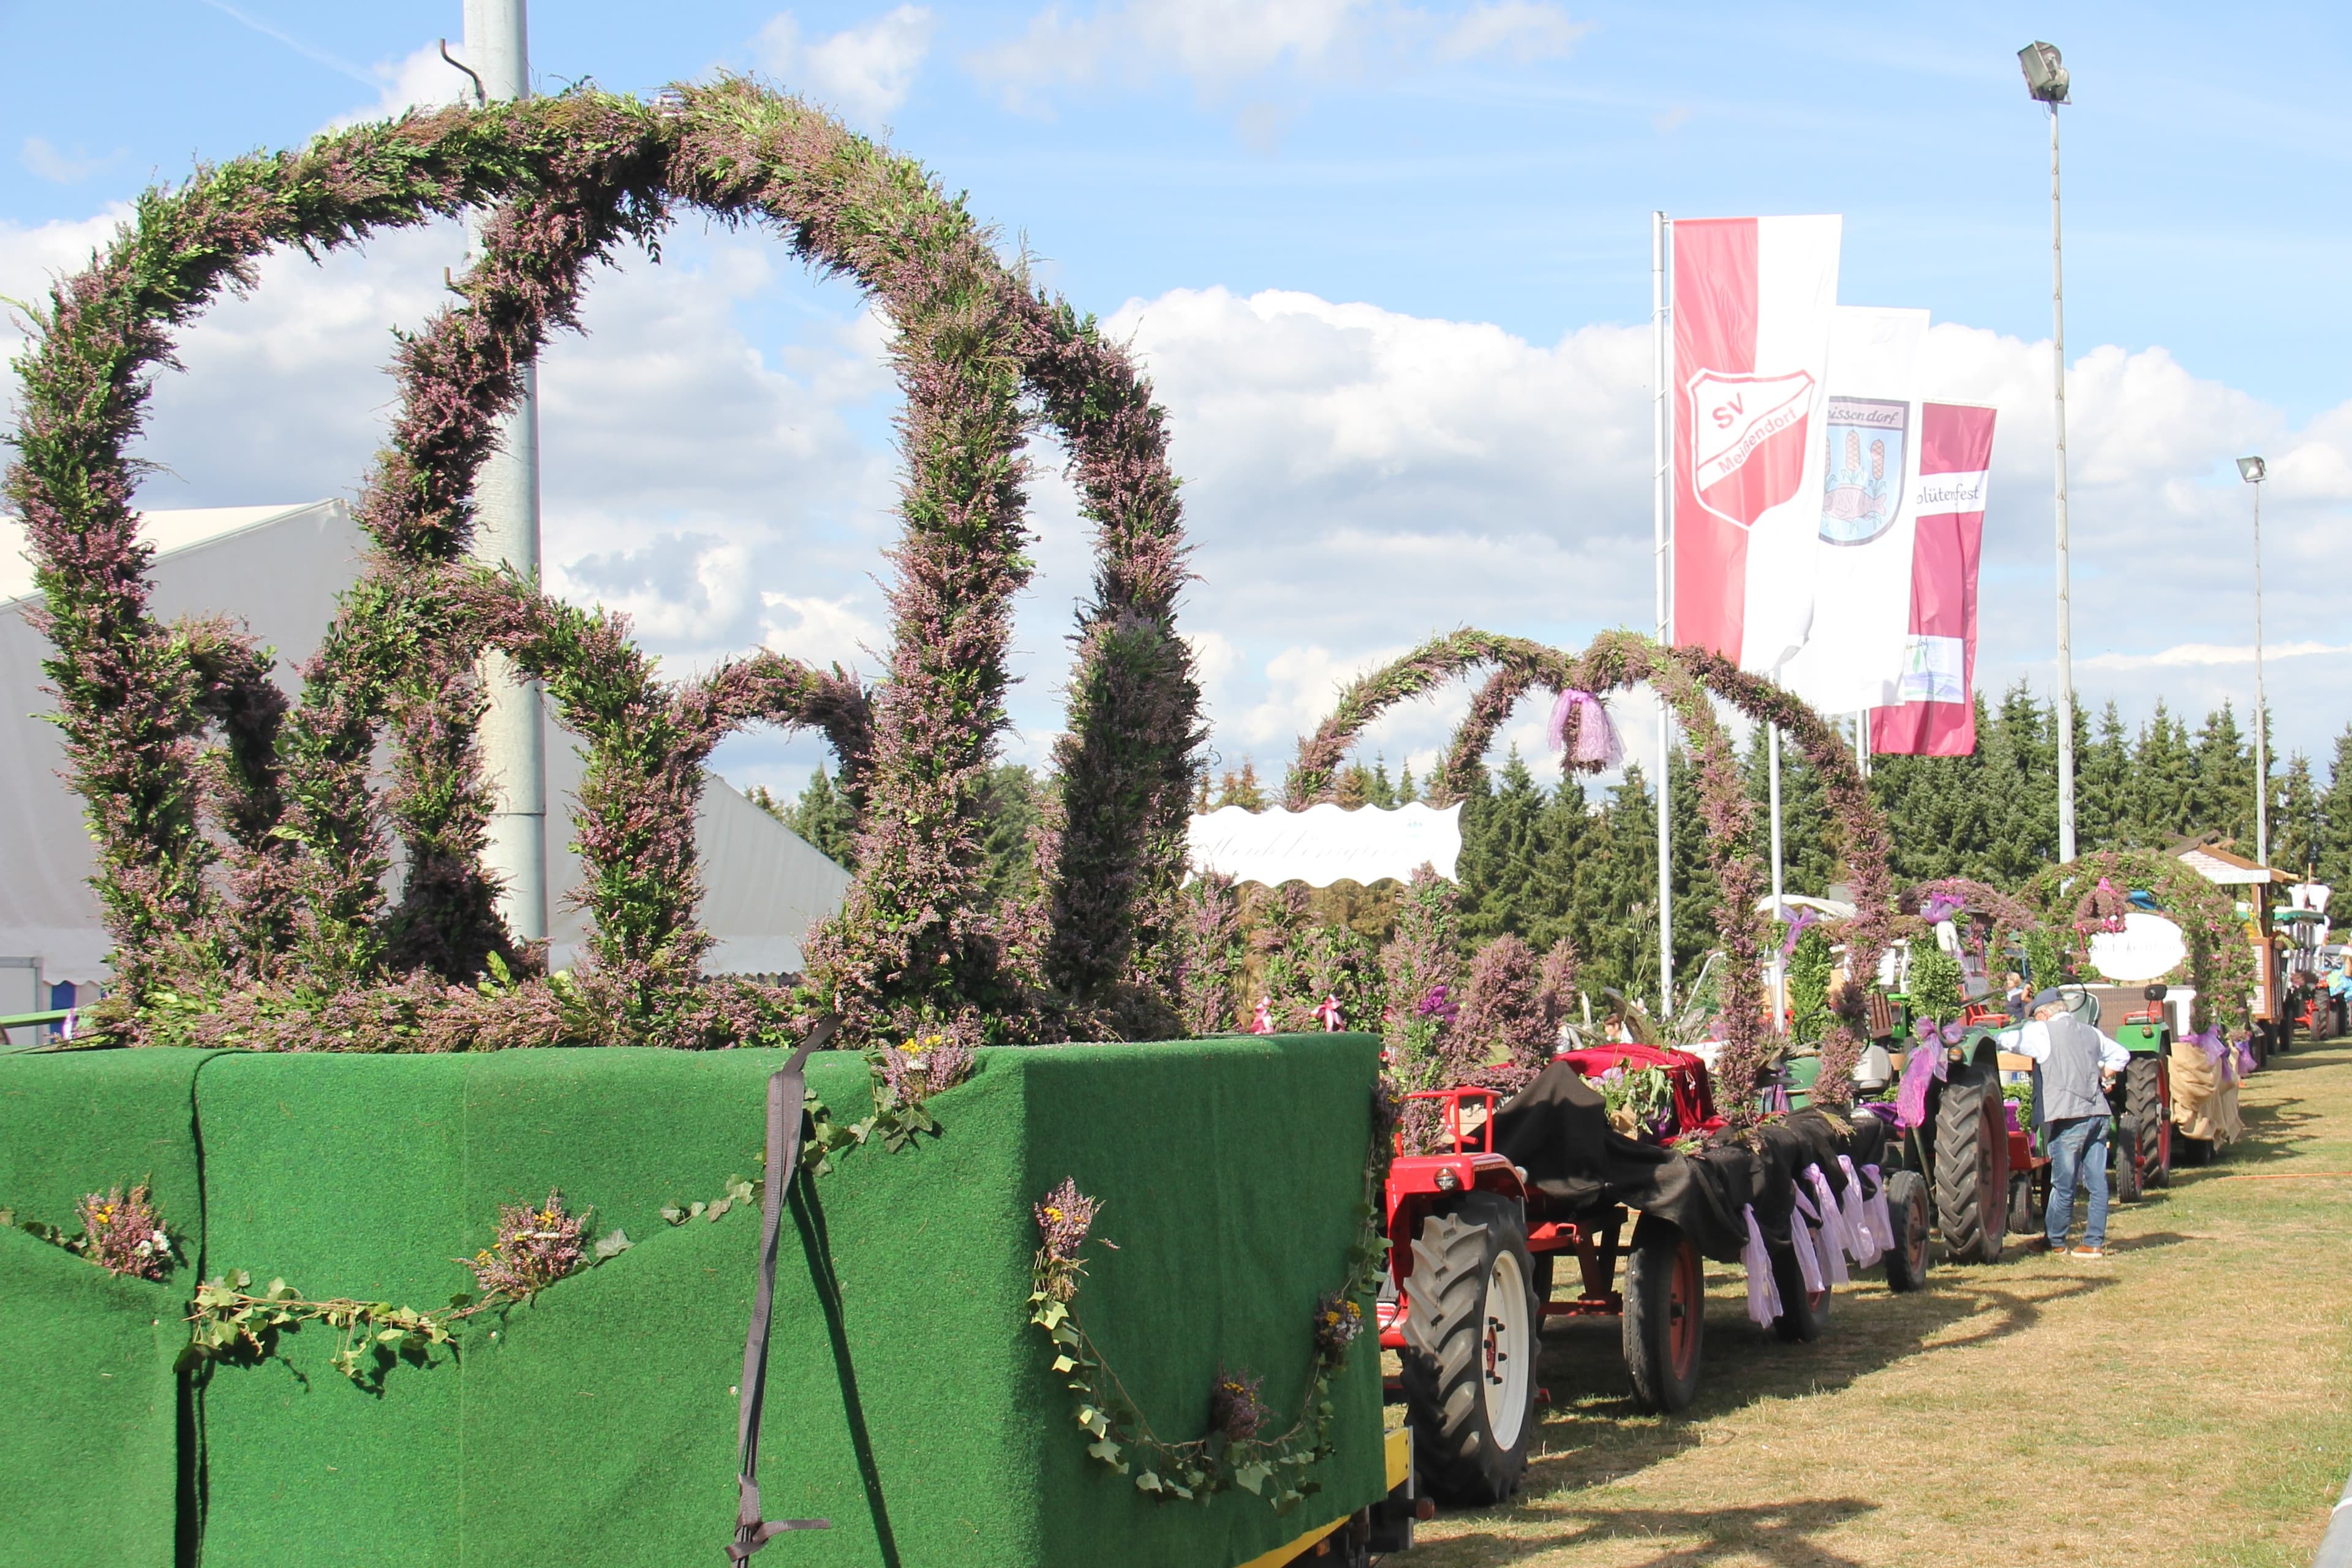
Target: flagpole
(1779,907)
(1662,531)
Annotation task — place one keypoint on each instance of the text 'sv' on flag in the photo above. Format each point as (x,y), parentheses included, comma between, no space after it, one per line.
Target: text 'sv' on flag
(1752,304)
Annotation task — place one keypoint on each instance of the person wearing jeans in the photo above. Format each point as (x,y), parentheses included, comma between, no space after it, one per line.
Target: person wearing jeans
(2074,1066)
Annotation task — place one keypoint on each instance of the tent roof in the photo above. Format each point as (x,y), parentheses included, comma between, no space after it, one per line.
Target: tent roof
(2218,865)
(280,568)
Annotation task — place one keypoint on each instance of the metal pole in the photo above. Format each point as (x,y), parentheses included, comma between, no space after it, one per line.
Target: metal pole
(1663,531)
(2065,605)
(2262,711)
(506,532)
(1779,908)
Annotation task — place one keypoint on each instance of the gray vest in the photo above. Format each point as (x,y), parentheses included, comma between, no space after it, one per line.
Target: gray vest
(2069,1078)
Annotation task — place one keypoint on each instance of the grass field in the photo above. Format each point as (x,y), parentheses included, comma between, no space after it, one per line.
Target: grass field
(2187,1401)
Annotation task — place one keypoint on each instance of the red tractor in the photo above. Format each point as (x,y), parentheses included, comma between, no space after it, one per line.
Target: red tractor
(1473,1247)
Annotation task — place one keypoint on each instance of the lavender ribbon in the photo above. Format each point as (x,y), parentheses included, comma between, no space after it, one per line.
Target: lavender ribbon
(1924,1062)
(1882,1217)
(1860,1224)
(1940,906)
(1835,1244)
(1801,1231)
(1763,1292)
(2211,1043)
(1596,745)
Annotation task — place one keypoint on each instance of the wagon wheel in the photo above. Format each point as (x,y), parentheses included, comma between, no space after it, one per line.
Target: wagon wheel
(1665,1315)
(1804,1313)
(1971,1165)
(1470,1345)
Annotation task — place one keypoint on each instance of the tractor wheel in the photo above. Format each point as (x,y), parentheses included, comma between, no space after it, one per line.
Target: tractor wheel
(2146,1125)
(2022,1220)
(1972,1165)
(1469,1360)
(1665,1315)
(1804,1313)
(2130,1184)
(2191,1151)
(1906,1258)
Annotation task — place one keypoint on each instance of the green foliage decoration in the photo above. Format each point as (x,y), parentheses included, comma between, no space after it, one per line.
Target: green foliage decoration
(1936,983)
(1237,1451)
(1809,968)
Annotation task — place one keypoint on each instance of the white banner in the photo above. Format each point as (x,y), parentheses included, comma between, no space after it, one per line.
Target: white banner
(1856,653)
(1326,844)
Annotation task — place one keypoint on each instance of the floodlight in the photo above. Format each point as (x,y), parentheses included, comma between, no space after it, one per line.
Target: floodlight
(2250,470)
(2045,78)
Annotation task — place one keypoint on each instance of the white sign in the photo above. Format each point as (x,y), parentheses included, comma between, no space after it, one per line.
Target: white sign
(2149,947)
(1325,844)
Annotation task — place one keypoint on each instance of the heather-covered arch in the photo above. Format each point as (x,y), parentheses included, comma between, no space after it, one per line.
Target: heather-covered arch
(2009,916)
(2220,961)
(977,350)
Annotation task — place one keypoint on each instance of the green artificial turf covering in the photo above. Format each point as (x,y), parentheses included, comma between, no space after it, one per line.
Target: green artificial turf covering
(90,1410)
(908,1400)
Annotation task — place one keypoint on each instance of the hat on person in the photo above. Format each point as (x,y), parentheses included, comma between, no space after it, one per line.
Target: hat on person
(2048,997)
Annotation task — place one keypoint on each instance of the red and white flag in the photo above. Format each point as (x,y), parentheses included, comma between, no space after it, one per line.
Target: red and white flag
(1938,716)
(1752,302)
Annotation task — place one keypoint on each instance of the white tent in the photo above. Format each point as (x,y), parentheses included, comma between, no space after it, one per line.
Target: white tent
(278,569)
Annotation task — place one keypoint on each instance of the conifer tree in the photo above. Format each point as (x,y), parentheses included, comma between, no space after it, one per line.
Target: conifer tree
(2294,818)
(2333,830)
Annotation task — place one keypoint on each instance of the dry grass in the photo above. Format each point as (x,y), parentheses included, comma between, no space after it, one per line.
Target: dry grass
(2184,1401)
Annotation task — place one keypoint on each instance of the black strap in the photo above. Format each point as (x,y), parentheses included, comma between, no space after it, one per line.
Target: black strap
(786,1095)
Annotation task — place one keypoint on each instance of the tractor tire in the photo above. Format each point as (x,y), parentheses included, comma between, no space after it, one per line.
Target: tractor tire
(2147,1124)
(2191,1151)
(1907,1256)
(2129,1186)
(1470,1345)
(1972,1165)
(2022,1220)
(1665,1315)
(1803,1313)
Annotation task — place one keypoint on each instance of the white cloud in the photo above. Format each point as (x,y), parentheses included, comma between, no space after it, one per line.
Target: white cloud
(864,73)
(421,79)
(2193,654)
(1521,30)
(824,631)
(43,162)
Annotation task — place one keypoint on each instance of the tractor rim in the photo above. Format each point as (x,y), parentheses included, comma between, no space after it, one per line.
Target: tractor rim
(1686,1300)
(1509,1351)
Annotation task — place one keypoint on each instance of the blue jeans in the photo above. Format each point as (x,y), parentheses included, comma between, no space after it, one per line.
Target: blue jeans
(2078,1150)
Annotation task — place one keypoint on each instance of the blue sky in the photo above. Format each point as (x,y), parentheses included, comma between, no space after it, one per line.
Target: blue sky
(1390,264)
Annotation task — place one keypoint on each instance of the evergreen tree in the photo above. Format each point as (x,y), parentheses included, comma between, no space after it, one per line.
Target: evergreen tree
(822,816)
(1810,861)
(2103,784)
(1935,807)
(1242,789)
(1565,834)
(2223,800)
(1500,849)
(1407,792)
(2164,783)
(1008,800)
(1616,899)
(2332,831)
(2019,789)
(2295,819)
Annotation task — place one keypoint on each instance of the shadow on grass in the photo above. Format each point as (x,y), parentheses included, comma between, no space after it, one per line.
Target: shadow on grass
(1593,1433)
(1778,1533)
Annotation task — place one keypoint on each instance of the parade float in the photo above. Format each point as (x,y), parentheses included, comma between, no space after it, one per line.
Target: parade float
(345,1233)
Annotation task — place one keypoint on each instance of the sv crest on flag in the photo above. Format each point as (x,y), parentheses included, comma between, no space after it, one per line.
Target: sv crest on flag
(1748,441)
(1862,485)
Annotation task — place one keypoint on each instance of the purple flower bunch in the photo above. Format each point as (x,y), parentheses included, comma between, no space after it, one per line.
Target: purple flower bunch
(535,1246)
(924,1065)
(1338,1319)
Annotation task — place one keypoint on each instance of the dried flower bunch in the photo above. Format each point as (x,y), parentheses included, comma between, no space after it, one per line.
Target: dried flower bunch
(122,1234)
(535,1245)
(242,844)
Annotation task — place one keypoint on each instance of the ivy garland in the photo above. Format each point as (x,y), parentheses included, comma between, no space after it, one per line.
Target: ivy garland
(1237,1450)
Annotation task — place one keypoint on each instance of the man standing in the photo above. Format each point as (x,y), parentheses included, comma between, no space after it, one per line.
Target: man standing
(2074,1066)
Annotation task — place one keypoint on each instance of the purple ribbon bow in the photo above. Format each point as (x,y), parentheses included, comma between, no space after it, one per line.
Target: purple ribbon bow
(1925,1064)
(1940,906)
(2211,1043)
(1798,923)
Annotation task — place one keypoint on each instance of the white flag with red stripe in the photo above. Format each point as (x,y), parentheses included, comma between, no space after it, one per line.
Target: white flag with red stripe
(1855,656)
(1752,302)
